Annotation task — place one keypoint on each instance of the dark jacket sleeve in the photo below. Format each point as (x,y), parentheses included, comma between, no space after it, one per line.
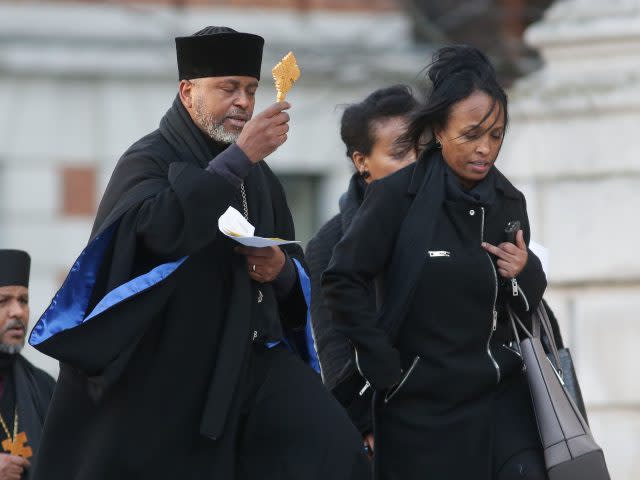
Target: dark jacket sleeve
(364,252)
(357,401)
(293,306)
(531,285)
(330,353)
(526,293)
(183,217)
(334,350)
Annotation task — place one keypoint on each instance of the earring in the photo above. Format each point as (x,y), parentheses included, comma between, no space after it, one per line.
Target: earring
(365,174)
(438,143)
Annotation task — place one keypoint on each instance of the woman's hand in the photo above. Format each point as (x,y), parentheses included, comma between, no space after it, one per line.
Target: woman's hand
(511,258)
(368,444)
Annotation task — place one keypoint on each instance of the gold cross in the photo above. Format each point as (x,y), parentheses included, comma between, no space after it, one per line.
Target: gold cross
(17,446)
(285,73)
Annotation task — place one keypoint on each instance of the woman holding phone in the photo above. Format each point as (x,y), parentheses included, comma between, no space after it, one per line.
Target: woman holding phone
(451,400)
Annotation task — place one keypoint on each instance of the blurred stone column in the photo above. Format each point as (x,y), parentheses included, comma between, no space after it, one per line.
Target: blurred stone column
(574,149)
(512,24)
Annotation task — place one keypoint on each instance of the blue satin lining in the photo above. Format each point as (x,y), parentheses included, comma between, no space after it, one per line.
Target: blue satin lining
(135,286)
(68,307)
(305,283)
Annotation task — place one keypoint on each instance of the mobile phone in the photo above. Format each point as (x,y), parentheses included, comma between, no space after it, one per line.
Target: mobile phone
(510,231)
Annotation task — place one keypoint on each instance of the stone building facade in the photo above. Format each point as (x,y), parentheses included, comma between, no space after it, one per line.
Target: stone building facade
(573,149)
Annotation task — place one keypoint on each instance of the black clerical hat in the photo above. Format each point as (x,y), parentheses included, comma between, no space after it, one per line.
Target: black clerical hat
(14,268)
(219,52)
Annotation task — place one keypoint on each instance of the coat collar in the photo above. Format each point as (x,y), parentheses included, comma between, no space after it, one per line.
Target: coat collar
(419,170)
(506,187)
(502,184)
(351,200)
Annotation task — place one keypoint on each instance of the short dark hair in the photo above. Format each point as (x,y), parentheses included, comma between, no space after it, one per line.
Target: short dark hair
(455,73)
(357,126)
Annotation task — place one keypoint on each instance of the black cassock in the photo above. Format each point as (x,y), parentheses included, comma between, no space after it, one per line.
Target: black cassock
(29,389)
(153,325)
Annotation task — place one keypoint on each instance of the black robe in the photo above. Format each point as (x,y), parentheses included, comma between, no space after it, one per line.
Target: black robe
(30,389)
(148,377)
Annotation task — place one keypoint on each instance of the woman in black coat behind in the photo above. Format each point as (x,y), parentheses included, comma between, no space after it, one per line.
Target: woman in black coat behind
(451,401)
(369,130)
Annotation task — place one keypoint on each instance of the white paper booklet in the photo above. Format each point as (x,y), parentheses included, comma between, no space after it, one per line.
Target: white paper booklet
(233,224)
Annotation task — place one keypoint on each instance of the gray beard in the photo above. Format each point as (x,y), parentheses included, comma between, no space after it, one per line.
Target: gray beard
(10,349)
(218,133)
(213,127)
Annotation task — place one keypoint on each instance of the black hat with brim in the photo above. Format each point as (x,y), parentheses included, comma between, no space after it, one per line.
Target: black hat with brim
(14,268)
(219,52)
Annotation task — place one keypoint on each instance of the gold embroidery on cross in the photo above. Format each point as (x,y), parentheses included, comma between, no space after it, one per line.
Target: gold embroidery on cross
(17,446)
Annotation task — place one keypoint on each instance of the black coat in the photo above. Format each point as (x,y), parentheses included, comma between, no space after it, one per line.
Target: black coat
(436,324)
(31,392)
(147,385)
(336,355)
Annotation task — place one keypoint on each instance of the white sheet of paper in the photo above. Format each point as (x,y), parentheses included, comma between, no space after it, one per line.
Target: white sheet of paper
(542,253)
(233,224)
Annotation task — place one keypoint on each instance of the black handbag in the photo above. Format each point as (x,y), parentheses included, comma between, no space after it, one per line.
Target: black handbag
(568,374)
(570,452)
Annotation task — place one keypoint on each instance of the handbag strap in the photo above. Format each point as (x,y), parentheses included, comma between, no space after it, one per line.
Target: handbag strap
(539,324)
(513,326)
(513,318)
(548,331)
(535,325)
(516,322)
(546,325)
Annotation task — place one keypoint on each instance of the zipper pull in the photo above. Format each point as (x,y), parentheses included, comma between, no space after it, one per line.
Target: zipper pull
(254,336)
(365,388)
(494,325)
(514,287)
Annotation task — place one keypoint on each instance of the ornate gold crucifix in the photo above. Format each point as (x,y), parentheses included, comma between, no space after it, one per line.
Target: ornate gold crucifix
(17,446)
(285,74)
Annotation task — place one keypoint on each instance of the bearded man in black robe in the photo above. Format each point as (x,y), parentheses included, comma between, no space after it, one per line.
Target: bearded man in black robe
(174,342)
(25,391)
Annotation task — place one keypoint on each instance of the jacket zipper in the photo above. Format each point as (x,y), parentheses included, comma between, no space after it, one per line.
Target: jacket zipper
(367,384)
(494,312)
(395,390)
(364,388)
